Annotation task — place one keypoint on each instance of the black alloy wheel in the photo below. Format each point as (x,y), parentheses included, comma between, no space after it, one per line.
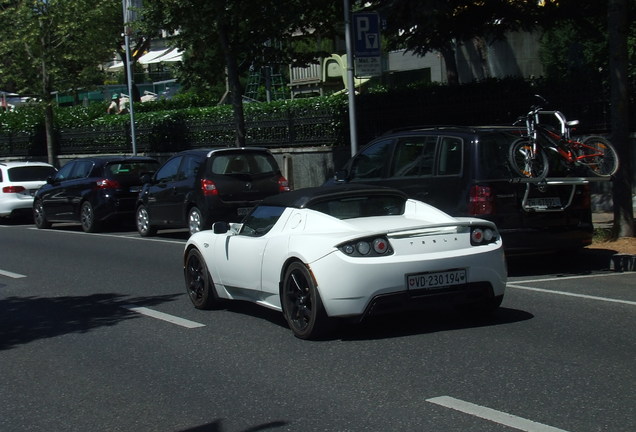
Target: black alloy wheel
(302,305)
(199,284)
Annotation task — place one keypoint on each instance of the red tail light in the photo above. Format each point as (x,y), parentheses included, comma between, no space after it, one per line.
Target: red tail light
(283,184)
(107,184)
(208,187)
(13,189)
(481,200)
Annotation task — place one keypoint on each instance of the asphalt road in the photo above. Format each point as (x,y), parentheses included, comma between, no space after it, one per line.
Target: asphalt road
(97,334)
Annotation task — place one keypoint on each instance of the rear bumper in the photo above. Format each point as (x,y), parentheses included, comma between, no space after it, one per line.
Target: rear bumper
(529,241)
(13,203)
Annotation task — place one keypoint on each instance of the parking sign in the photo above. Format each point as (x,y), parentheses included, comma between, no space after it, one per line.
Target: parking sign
(366,36)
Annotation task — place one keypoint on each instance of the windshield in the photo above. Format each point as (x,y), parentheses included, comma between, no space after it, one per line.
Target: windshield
(361,206)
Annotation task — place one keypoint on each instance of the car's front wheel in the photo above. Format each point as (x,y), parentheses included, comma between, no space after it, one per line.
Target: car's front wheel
(302,305)
(87,218)
(143,222)
(39,217)
(199,283)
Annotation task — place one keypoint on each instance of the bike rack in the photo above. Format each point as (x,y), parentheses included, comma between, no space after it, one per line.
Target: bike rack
(554,181)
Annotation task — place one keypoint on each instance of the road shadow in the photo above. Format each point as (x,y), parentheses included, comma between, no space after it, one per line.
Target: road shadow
(428,320)
(26,319)
(217,426)
(585,261)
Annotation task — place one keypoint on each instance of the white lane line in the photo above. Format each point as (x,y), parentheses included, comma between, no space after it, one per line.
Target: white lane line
(569,294)
(560,278)
(164,317)
(11,274)
(492,415)
(126,236)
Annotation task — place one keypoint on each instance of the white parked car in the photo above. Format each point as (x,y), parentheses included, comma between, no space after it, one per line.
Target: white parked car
(346,251)
(18,183)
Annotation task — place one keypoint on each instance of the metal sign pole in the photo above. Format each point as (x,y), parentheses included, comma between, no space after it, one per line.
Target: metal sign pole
(353,133)
(127,31)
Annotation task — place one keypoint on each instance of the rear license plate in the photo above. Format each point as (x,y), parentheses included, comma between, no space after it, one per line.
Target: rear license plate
(242,211)
(435,280)
(544,203)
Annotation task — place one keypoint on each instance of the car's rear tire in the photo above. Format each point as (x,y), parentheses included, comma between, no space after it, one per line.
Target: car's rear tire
(302,305)
(199,283)
(195,220)
(87,218)
(142,220)
(39,217)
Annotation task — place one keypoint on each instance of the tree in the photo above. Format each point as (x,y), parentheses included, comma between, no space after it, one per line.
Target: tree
(422,26)
(54,44)
(223,38)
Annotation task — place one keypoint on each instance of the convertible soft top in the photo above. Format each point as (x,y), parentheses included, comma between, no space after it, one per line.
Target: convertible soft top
(302,198)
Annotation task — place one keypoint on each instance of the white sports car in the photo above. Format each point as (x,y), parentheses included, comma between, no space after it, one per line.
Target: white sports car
(346,251)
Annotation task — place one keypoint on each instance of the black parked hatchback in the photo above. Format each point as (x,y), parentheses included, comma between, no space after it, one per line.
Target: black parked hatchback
(464,171)
(92,190)
(195,188)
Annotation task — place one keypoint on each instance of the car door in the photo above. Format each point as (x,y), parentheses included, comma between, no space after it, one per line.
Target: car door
(449,179)
(370,165)
(53,196)
(182,189)
(161,194)
(241,256)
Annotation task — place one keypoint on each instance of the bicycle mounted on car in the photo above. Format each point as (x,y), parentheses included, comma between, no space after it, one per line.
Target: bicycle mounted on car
(530,155)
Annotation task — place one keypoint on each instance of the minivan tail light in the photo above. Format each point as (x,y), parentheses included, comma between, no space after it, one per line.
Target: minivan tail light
(283,184)
(107,184)
(481,201)
(13,189)
(208,187)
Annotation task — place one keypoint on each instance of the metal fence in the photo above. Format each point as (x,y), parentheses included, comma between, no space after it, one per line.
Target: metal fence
(174,135)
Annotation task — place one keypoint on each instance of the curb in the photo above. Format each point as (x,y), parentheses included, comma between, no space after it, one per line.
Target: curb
(623,262)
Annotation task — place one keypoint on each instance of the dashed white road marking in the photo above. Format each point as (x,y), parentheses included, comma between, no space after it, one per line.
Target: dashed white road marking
(11,274)
(492,415)
(164,317)
(126,236)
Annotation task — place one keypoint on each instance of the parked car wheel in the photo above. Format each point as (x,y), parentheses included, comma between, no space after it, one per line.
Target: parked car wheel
(195,220)
(199,283)
(301,302)
(87,218)
(38,216)
(143,222)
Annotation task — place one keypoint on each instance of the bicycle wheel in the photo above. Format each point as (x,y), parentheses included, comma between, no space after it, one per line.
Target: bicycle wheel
(525,162)
(598,155)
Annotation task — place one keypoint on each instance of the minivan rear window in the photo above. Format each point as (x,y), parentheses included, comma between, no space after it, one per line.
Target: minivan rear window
(130,169)
(493,156)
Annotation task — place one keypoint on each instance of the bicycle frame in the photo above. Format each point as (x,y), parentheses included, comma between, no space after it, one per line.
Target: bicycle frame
(561,142)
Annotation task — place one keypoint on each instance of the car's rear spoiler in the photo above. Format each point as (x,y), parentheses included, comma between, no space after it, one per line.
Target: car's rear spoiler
(438,228)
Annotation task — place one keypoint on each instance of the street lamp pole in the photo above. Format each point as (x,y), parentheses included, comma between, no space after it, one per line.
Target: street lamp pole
(353,132)
(127,31)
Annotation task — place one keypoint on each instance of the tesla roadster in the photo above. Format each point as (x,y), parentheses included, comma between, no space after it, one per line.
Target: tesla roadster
(351,251)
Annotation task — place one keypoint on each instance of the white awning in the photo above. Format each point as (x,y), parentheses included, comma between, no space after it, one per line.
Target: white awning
(151,55)
(171,55)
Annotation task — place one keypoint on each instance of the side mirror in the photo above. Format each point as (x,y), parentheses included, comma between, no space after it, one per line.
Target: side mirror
(145,178)
(50,180)
(341,176)
(220,227)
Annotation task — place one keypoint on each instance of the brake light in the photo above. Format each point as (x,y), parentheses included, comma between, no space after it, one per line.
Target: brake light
(208,187)
(13,189)
(481,200)
(107,184)
(283,184)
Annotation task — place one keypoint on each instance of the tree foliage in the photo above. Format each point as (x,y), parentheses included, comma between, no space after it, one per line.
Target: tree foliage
(224,38)
(52,45)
